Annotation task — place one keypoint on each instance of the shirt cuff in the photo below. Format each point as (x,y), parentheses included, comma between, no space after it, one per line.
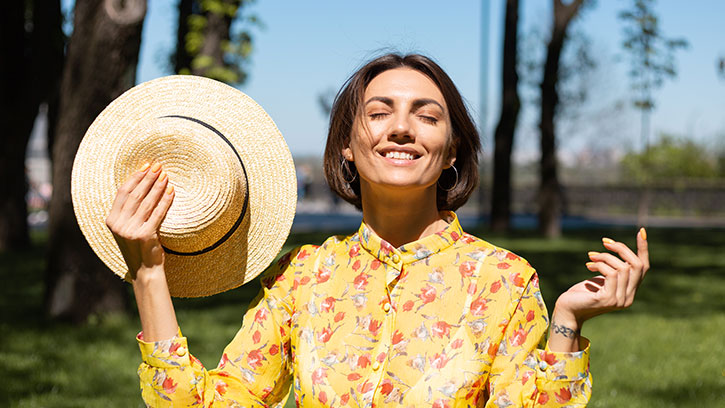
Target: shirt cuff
(170,353)
(563,366)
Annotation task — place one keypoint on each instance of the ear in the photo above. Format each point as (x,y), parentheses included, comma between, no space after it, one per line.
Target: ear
(451,159)
(347,154)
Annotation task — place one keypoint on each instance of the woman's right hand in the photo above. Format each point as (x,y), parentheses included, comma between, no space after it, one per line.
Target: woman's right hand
(138,210)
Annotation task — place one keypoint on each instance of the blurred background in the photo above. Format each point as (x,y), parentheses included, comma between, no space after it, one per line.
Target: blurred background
(596,117)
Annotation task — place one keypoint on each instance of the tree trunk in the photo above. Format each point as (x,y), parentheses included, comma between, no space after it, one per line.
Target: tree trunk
(34,58)
(101,64)
(182,59)
(550,198)
(216,33)
(504,136)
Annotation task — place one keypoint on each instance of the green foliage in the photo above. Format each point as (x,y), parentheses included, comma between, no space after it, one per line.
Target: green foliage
(670,159)
(651,53)
(659,353)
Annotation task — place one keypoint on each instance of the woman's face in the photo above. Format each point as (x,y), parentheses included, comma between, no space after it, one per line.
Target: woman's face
(404,138)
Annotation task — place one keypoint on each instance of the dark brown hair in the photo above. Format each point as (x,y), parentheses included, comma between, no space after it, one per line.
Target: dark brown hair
(348,105)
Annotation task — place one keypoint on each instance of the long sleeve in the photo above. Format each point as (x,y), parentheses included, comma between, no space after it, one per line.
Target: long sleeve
(523,375)
(255,368)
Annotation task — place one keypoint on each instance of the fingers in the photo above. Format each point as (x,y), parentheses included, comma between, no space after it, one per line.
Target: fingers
(611,280)
(624,252)
(136,196)
(126,189)
(643,249)
(152,198)
(159,212)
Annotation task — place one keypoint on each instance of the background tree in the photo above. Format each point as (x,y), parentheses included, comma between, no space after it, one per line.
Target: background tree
(550,198)
(206,43)
(100,65)
(504,135)
(652,57)
(32,50)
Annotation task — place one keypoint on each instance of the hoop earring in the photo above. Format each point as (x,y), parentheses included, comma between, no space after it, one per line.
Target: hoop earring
(345,169)
(454,184)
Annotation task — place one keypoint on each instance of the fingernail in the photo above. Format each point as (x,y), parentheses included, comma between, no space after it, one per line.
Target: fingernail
(593,253)
(144,167)
(607,240)
(156,167)
(643,233)
(170,189)
(590,264)
(162,177)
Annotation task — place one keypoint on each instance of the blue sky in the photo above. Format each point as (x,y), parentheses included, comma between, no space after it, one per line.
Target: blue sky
(308,47)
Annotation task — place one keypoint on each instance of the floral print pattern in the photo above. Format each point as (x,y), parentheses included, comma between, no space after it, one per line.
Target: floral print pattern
(447,321)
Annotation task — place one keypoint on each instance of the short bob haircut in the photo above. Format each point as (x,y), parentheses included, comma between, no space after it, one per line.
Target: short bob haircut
(348,107)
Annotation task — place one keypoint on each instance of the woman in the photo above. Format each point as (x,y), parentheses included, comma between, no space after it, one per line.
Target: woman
(409,310)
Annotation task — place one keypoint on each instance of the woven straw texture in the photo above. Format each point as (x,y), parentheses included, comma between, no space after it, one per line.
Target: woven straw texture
(163,121)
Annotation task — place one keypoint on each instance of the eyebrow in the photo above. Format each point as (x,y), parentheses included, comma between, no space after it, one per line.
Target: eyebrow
(416,103)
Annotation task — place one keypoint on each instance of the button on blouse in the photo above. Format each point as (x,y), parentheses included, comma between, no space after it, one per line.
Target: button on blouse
(446,321)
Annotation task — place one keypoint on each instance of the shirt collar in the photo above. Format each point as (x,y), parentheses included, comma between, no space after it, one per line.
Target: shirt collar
(412,251)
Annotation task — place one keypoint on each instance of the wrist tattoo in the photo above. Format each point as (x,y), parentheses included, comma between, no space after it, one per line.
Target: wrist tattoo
(563,330)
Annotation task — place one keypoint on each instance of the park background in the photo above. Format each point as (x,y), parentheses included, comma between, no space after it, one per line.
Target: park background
(639,137)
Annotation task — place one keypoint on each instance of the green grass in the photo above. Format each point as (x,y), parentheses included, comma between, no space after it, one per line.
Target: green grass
(665,351)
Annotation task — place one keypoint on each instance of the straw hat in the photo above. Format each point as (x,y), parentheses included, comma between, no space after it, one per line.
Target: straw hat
(233,174)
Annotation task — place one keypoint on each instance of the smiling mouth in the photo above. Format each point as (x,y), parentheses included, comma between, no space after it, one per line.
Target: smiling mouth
(400,155)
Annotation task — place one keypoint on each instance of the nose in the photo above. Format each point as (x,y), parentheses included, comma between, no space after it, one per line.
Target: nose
(401,127)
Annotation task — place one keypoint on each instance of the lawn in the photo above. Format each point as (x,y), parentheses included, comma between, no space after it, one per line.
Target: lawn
(667,350)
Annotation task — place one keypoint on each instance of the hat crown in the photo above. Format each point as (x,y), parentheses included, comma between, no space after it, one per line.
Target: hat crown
(207,174)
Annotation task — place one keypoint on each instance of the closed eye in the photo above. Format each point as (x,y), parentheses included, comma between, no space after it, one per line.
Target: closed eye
(376,116)
(428,119)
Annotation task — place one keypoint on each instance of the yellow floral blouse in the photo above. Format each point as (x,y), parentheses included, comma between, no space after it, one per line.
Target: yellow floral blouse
(447,321)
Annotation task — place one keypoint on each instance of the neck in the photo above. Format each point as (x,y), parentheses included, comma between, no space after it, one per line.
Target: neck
(400,217)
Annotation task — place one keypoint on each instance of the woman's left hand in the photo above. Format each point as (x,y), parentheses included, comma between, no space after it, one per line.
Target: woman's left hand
(613,289)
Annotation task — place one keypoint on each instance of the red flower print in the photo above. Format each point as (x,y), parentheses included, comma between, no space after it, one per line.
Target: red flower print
(363,361)
(339,316)
(254,359)
(302,255)
(374,326)
(322,397)
(224,361)
(261,315)
(440,403)
(467,238)
(353,377)
(361,281)
(323,274)
(478,306)
(324,335)
(354,251)
(427,294)
(328,304)
(305,280)
(221,387)
(457,344)
(455,235)
(375,264)
(467,268)
(530,316)
(386,248)
(408,305)
(256,337)
(169,385)
(356,265)
(550,358)
(495,286)
(397,337)
(563,395)
(273,350)
(381,357)
(518,337)
(319,375)
(365,387)
(174,347)
(439,361)
(472,288)
(492,349)
(503,265)
(517,280)
(543,398)
(343,399)
(526,377)
(386,387)
(535,281)
(441,328)
(512,257)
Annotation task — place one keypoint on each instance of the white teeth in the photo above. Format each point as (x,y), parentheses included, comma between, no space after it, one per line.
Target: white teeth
(399,156)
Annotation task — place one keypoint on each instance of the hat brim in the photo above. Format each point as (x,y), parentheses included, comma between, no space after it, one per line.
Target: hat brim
(270,175)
